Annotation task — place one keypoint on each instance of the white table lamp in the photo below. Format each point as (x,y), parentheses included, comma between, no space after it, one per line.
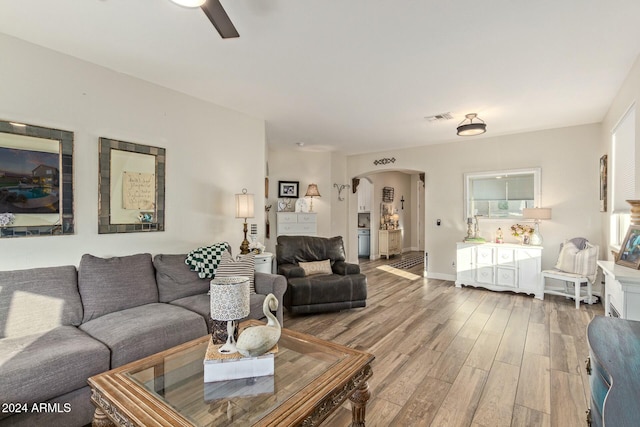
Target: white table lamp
(229,300)
(312,191)
(536,214)
(244,209)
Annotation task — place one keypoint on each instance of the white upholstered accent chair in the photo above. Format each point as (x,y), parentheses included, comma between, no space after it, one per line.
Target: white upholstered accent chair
(577,268)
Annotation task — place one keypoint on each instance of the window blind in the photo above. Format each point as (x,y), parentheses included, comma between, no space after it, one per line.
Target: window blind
(623,162)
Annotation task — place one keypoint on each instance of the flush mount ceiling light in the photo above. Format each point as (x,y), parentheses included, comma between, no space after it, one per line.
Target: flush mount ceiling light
(471,125)
(189,3)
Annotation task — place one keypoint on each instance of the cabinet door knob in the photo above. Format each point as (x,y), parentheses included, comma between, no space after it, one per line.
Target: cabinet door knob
(588,365)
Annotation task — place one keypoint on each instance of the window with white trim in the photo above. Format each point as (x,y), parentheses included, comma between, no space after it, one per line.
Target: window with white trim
(623,167)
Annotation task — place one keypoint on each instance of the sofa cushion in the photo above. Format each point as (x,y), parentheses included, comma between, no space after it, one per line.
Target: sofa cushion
(35,368)
(316,267)
(38,299)
(140,331)
(111,284)
(293,249)
(244,266)
(175,279)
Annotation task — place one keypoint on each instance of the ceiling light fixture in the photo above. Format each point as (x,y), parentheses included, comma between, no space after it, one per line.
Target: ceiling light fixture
(189,3)
(468,127)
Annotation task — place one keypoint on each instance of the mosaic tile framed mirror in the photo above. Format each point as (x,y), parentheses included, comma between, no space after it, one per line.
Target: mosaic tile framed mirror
(132,187)
(36,181)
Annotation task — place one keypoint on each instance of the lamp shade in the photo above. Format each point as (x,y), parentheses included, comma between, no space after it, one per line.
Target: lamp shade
(471,125)
(229,298)
(312,191)
(536,213)
(244,205)
(189,3)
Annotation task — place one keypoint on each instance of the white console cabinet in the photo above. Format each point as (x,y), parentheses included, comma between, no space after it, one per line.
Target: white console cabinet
(500,267)
(621,291)
(296,224)
(389,242)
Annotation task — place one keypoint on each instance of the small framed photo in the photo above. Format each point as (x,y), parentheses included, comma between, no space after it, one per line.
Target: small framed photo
(629,254)
(288,189)
(603,183)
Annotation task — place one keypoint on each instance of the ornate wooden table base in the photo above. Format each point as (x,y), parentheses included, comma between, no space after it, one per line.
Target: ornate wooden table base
(100,419)
(312,378)
(359,401)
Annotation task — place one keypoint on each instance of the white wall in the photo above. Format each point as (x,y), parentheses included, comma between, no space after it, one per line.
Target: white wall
(212,153)
(568,157)
(306,167)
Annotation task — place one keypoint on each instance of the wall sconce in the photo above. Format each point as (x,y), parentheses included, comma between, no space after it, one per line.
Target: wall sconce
(340,188)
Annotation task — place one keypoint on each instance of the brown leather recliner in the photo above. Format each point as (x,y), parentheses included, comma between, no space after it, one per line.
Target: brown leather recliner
(344,288)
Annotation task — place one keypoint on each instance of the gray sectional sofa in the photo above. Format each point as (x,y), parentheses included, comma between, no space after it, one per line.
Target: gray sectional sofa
(62,325)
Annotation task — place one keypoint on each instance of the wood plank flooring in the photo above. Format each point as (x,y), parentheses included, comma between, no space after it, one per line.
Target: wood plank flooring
(461,357)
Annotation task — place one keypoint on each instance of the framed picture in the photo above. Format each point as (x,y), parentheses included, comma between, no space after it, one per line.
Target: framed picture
(132,191)
(36,180)
(629,254)
(288,189)
(603,183)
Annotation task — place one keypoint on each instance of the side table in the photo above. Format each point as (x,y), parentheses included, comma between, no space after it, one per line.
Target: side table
(263,262)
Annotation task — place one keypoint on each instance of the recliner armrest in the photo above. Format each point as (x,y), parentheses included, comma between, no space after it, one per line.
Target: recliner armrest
(291,270)
(343,268)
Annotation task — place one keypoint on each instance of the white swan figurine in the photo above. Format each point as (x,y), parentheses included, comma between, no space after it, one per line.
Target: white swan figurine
(257,340)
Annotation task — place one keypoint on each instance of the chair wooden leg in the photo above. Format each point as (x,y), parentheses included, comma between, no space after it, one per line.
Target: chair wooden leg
(576,286)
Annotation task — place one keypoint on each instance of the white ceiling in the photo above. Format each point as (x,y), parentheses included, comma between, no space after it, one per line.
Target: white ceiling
(360,75)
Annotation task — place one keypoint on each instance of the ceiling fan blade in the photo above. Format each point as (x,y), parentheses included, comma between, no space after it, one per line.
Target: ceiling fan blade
(219,18)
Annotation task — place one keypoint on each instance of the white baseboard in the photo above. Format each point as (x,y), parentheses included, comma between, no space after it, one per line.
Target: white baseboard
(441,276)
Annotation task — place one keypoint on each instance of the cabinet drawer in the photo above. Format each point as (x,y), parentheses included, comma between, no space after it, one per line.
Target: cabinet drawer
(297,228)
(263,263)
(287,217)
(484,256)
(306,218)
(506,257)
(506,277)
(262,259)
(484,275)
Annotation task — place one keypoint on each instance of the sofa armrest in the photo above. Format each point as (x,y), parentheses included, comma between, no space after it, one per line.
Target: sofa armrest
(343,268)
(290,270)
(272,284)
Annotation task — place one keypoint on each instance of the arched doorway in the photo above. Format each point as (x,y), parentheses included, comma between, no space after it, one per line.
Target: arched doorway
(395,200)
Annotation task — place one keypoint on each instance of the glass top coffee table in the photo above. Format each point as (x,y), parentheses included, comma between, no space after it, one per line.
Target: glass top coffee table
(312,378)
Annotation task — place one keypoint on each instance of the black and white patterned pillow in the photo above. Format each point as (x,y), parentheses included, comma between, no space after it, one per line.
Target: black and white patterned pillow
(205,260)
(243,265)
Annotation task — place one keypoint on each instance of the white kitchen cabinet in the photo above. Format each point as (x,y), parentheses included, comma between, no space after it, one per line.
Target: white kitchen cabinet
(499,267)
(621,291)
(390,242)
(296,224)
(364,196)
